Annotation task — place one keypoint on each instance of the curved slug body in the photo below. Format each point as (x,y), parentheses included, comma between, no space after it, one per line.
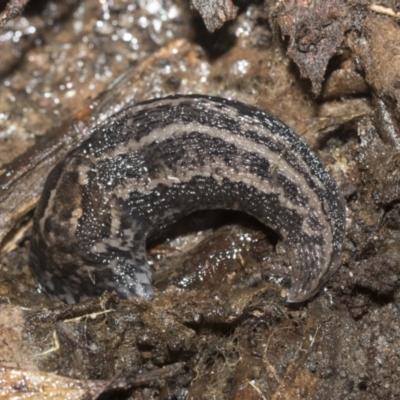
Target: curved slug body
(153,163)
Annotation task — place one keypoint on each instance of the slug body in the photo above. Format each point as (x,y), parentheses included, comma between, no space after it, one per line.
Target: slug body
(155,162)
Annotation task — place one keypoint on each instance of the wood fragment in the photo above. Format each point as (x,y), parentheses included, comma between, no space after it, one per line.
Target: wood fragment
(384,10)
(14,8)
(215,12)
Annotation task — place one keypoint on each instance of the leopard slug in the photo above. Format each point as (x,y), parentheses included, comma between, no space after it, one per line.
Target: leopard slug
(151,164)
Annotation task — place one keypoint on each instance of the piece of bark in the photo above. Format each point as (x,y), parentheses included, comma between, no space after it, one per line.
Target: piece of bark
(215,12)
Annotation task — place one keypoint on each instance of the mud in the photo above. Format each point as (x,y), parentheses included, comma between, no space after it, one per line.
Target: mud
(219,326)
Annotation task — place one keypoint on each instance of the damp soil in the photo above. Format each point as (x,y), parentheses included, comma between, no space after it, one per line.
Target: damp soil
(219,326)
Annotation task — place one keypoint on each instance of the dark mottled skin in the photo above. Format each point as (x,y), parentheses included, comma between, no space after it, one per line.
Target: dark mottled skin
(155,162)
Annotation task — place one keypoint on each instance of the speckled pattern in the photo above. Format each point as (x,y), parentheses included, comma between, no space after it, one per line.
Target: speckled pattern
(155,162)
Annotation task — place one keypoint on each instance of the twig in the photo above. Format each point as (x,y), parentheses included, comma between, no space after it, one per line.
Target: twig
(13,9)
(384,10)
(257,389)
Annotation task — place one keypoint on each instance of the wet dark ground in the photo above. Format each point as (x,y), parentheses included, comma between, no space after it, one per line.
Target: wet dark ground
(219,326)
